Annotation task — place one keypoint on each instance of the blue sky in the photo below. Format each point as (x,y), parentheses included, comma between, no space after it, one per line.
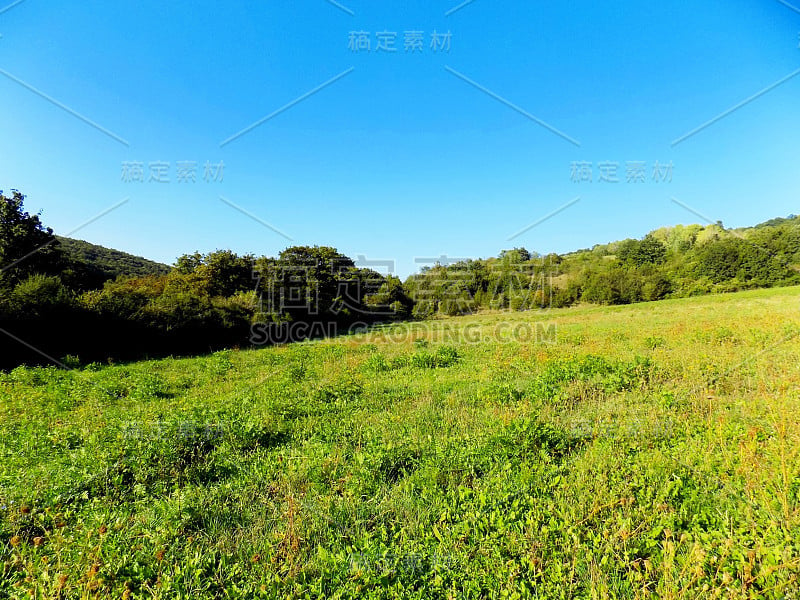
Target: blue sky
(407,155)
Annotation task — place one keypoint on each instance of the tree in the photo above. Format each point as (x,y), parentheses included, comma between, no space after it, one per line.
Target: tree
(612,286)
(647,251)
(516,256)
(719,260)
(228,273)
(40,296)
(225,272)
(26,246)
(391,297)
(656,287)
(315,284)
(188,263)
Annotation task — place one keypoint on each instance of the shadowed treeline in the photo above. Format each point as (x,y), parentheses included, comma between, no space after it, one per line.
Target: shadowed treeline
(62,299)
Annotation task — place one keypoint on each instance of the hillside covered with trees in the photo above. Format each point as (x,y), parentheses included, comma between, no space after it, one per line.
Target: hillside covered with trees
(90,265)
(62,297)
(671,262)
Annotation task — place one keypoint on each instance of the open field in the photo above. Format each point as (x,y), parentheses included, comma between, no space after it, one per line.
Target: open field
(652,451)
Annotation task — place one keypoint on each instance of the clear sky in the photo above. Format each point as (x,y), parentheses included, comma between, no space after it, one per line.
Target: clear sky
(403,155)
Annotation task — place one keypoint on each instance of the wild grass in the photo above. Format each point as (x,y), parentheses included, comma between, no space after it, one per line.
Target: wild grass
(652,451)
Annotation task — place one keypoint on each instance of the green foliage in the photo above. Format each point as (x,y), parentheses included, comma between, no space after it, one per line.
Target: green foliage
(671,262)
(318,284)
(391,294)
(641,252)
(516,256)
(654,342)
(615,285)
(98,304)
(224,272)
(40,296)
(720,260)
(344,391)
(88,266)
(740,260)
(26,246)
(556,383)
(348,468)
(423,309)
(444,356)
(515,280)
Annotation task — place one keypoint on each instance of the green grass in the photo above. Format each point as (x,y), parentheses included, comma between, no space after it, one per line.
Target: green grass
(652,451)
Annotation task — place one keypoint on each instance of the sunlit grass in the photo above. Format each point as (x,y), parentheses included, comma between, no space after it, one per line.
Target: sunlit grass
(652,450)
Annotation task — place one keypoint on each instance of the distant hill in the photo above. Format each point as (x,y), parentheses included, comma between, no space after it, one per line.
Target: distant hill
(89,265)
(670,262)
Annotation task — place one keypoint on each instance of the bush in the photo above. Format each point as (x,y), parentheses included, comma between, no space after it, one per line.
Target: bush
(40,295)
(453,307)
(445,356)
(424,309)
(656,287)
(647,251)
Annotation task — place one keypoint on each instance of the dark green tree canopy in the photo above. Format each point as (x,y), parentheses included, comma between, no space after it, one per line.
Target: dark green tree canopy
(640,252)
(26,246)
(224,271)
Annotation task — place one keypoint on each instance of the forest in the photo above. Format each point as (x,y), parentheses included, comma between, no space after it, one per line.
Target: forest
(71,302)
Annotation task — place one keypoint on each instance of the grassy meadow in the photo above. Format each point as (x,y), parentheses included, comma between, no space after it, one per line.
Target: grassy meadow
(640,451)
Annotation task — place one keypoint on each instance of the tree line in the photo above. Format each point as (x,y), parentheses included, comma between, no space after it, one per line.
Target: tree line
(59,301)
